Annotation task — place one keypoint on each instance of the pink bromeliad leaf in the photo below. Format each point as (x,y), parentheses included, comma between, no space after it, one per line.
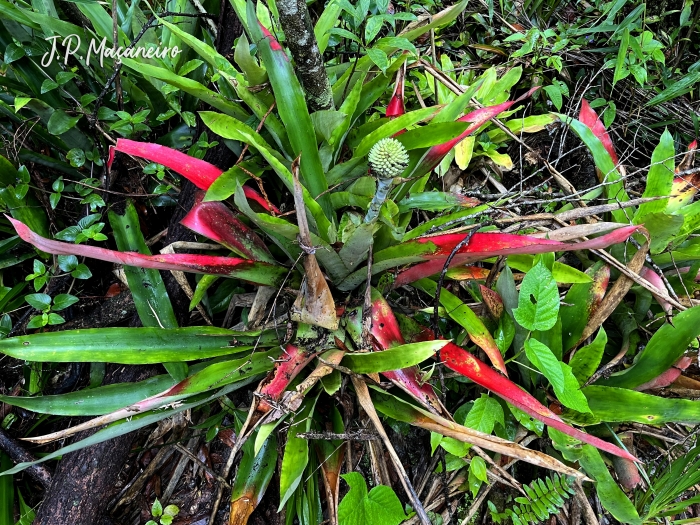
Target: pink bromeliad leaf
(654,278)
(199,172)
(477,118)
(590,118)
(217,222)
(436,250)
(252,271)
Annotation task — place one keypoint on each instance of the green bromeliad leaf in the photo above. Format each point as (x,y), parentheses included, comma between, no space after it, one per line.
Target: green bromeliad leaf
(586,359)
(624,405)
(665,347)
(296,452)
(610,494)
(559,375)
(395,358)
(122,345)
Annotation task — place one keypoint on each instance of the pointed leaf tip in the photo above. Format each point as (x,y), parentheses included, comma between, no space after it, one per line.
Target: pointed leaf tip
(590,118)
(252,271)
(201,173)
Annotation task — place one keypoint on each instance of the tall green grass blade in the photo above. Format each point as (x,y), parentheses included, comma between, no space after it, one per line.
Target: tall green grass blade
(146,285)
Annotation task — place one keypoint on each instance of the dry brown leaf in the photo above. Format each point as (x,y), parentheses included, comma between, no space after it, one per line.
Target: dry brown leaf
(314,304)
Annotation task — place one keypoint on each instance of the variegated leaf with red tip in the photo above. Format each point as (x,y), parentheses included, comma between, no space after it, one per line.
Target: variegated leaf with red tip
(217,222)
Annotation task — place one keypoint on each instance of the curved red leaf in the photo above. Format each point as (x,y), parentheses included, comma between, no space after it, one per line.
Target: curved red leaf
(217,222)
(252,271)
(590,118)
(485,245)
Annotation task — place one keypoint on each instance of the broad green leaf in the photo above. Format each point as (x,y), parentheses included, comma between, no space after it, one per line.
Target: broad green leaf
(293,111)
(325,22)
(578,303)
(586,359)
(428,22)
(432,134)
(255,471)
(660,177)
(665,347)
(395,358)
(93,401)
(234,129)
(571,396)
(136,422)
(484,415)
(546,362)
(60,122)
(559,374)
(189,86)
(663,228)
(146,285)
(562,273)
(538,304)
(678,89)
(379,57)
(526,420)
(380,506)
(255,75)
(620,70)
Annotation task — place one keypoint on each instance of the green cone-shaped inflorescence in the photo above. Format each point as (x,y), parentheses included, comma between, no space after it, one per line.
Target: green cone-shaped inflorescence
(388,158)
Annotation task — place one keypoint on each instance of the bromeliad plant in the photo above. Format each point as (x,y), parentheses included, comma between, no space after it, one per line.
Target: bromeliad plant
(355,181)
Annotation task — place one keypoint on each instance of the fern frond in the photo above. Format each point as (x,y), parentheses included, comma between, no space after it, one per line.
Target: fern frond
(544,498)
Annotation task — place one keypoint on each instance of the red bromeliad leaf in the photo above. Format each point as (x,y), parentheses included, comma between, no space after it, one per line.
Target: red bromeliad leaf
(477,118)
(286,369)
(254,196)
(217,222)
(396,107)
(199,172)
(467,319)
(461,361)
(252,271)
(667,377)
(386,334)
(436,250)
(589,117)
